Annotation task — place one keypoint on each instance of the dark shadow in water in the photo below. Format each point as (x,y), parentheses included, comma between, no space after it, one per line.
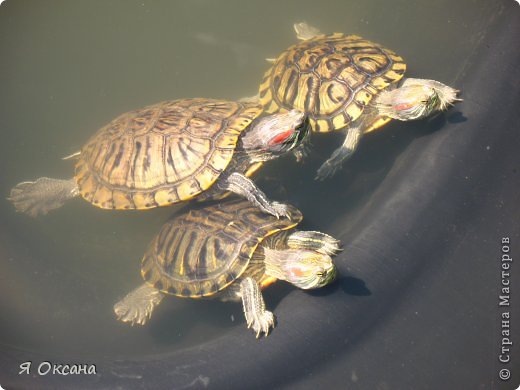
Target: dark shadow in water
(354,286)
(171,323)
(456,117)
(349,284)
(440,120)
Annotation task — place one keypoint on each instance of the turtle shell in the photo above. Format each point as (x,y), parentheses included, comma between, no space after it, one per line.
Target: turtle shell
(204,250)
(332,78)
(161,154)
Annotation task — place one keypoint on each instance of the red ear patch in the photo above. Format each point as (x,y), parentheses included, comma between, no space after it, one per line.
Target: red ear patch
(403,106)
(281,137)
(296,271)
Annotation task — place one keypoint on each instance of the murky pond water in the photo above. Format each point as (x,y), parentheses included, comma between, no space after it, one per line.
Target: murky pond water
(68,67)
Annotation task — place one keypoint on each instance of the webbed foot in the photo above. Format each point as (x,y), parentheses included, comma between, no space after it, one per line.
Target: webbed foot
(137,306)
(277,209)
(43,195)
(261,323)
(328,169)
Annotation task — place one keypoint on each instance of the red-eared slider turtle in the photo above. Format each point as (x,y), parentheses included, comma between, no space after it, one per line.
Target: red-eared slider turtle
(347,82)
(171,152)
(230,251)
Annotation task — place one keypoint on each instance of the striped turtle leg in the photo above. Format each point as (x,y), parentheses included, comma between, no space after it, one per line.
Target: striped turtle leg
(243,186)
(137,306)
(257,318)
(330,167)
(315,241)
(43,195)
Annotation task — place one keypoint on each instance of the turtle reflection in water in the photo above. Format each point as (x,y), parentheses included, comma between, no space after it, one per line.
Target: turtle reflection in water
(347,82)
(171,152)
(229,251)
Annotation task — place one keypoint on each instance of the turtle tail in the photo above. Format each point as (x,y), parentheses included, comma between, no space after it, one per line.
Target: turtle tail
(43,195)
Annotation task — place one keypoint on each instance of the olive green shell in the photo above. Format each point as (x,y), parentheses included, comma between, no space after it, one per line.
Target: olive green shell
(332,78)
(204,250)
(161,154)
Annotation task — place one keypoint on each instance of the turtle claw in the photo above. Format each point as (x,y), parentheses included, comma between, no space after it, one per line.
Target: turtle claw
(278,210)
(331,246)
(262,323)
(132,315)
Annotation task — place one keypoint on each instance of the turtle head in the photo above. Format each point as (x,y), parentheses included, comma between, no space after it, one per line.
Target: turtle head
(416,99)
(312,270)
(305,269)
(275,134)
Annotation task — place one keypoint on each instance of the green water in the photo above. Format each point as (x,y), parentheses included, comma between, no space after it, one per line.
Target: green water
(68,67)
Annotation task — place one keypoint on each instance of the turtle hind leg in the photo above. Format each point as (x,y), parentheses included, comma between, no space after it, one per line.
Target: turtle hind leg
(257,318)
(137,306)
(43,195)
(316,241)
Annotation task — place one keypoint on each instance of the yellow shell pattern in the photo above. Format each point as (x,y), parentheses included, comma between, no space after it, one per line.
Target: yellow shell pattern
(204,250)
(162,154)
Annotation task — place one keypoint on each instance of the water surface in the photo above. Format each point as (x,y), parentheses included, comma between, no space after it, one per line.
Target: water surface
(68,67)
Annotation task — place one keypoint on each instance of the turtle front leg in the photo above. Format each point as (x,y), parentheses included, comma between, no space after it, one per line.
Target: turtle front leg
(330,167)
(257,318)
(137,306)
(315,241)
(43,195)
(243,186)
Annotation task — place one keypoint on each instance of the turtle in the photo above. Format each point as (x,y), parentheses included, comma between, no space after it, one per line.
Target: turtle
(347,82)
(170,152)
(229,251)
